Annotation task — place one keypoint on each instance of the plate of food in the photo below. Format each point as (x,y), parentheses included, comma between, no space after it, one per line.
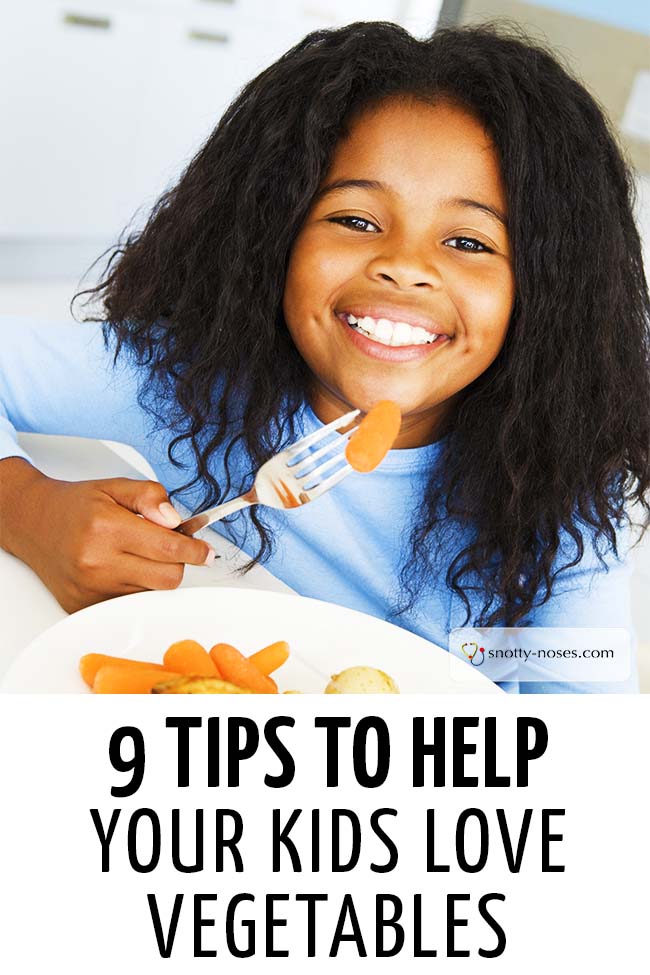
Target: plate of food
(231,640)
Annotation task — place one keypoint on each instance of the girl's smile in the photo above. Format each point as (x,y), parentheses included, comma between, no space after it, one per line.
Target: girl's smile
(400,282)
(392,339)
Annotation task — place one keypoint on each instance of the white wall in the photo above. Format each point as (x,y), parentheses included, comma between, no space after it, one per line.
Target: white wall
(101,110)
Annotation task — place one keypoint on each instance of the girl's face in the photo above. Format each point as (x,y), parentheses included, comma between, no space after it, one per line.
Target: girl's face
(409,226)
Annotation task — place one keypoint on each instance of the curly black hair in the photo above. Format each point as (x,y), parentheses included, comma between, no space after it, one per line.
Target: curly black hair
(552,440)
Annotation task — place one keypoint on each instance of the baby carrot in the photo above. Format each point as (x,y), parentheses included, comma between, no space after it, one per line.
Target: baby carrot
(270,658)
(374,436)
(91,662)
(116,679)
(189,658)
(238,669)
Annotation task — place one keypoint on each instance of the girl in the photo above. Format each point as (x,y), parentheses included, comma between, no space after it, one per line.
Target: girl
(444,222)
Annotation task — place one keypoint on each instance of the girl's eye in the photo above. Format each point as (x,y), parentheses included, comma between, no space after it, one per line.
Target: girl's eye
(468,244)
(356,223)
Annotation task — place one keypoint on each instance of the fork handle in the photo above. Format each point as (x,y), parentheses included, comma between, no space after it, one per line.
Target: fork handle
(194,524)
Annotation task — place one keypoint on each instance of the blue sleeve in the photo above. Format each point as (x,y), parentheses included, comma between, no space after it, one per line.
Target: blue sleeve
(59,378)
(589,595)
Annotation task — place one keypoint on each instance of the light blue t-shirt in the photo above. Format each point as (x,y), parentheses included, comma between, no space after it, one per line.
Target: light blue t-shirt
(347,548)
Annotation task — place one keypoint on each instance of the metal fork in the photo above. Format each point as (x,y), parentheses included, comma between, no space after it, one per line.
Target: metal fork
(285,481)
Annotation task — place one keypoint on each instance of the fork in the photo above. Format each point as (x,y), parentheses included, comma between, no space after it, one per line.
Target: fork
(285,481)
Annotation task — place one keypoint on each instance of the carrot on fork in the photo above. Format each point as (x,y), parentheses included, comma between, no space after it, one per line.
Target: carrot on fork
(189,658)
(90,663)
(240,670)
(270,658)
(373,438)
(118,679)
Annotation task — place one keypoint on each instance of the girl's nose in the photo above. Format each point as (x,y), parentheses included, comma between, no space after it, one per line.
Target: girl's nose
(405,269)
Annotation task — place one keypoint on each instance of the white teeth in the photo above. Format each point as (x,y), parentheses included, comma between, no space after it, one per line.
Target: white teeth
(391,333)
(402,334)
(384,330)
(421,334)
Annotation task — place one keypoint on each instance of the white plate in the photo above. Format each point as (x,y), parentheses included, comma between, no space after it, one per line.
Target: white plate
(324,639)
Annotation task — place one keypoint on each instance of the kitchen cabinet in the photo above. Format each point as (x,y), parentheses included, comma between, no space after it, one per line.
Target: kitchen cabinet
(105,101)
(66,89)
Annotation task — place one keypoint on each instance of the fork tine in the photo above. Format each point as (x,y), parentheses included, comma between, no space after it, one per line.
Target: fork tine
(315,475)
(327,449)
(330,482)
(311,438)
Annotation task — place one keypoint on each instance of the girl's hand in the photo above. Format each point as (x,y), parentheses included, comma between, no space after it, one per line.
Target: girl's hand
(85,539)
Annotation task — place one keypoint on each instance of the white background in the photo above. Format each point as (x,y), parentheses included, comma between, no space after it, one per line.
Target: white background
(60,912)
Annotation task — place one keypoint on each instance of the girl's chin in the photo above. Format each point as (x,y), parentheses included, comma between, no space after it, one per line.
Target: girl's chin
(363,397)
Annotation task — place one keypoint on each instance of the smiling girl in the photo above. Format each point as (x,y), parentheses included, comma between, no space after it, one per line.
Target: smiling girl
(446,223)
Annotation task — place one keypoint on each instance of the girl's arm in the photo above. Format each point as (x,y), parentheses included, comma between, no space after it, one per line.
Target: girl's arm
(59,378)
(84,539)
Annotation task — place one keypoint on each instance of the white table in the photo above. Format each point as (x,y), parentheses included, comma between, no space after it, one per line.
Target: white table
(30,608)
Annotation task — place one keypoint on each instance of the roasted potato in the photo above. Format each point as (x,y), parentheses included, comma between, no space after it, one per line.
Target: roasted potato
(361,680)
